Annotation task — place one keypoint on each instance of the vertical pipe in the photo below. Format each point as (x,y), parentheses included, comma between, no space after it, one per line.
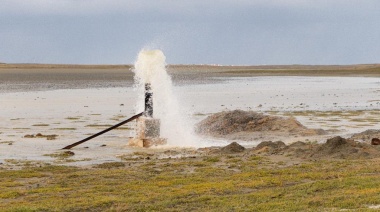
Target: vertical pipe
(148,101)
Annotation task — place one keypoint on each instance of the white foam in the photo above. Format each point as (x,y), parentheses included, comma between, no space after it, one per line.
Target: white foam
(150,68)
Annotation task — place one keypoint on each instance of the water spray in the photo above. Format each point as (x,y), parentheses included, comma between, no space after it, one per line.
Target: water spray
(147,128)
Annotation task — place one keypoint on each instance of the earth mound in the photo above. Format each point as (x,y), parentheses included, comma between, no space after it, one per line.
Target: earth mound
(367,135)
(232,148)
(334,148)
(342,148)
(237,122)
(275,145)
(270,147)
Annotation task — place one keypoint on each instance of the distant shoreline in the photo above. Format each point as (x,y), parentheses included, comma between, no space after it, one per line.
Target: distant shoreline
(195,71)
(180,66)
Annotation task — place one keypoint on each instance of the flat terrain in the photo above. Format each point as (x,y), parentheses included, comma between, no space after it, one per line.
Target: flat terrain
(19,77)
(46,107)
(198,180)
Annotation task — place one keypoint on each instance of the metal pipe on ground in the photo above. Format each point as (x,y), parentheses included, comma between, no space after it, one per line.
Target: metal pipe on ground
(102,132)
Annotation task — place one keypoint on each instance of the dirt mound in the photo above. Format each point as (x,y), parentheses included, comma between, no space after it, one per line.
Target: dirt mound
(237,121)
(341,148)
(334,148)
(232,148)
(367,135)
(270,147)
(274,145)
(298,149)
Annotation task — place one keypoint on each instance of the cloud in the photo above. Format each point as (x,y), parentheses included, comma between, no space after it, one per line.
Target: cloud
(196,31)
(102,6)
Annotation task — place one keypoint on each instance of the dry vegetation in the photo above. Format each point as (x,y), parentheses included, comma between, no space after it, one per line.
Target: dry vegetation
(213,181)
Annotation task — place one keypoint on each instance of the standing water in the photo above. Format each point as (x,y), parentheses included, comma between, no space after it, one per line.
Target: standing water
(150,67)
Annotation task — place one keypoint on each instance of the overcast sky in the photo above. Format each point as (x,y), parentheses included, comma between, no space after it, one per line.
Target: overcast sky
(228,32)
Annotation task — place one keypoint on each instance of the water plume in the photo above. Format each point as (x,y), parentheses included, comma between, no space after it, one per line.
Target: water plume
(150,67)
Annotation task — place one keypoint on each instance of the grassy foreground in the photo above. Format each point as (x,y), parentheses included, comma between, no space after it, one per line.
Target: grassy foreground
(205,183)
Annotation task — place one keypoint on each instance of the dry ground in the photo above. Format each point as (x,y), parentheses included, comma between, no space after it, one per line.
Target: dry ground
(211,179)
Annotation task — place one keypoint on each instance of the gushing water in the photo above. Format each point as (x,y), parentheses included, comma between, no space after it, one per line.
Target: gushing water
(150,67)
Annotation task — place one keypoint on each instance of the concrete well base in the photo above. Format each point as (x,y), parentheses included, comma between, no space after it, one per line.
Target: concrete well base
(146,142)
(147,133)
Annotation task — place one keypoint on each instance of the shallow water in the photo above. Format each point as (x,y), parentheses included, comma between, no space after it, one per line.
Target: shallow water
(73,114)
(285,94)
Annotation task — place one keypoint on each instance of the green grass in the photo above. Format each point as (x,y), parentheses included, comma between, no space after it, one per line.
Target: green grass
(168,185)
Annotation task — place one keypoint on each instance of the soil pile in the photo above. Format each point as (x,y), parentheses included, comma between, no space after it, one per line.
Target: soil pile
(238,122)
(275,145)
(367,135)
(334,148)
(341,148)
(270,147)
(232,148)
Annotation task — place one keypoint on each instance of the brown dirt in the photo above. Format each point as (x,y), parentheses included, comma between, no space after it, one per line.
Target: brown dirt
(334,148)
(238,122)
(232,148)
(367,135)
(341,148)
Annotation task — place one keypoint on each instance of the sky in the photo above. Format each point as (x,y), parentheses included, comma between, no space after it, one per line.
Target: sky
(225,32)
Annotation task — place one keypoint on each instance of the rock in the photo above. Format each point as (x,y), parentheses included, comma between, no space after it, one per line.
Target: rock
(232,148)
(375,141)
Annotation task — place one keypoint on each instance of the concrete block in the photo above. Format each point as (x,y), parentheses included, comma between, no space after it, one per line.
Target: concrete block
(148,128)
(136,142)
(146,142)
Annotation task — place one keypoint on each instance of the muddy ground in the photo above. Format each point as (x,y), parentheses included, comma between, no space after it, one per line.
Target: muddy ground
(46,107)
